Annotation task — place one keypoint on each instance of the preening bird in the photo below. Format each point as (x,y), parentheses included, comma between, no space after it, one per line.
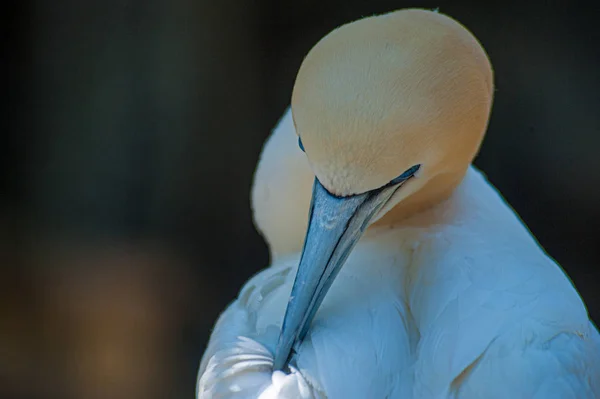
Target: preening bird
(397,271)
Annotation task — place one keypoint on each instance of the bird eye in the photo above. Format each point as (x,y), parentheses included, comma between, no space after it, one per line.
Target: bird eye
(300,144)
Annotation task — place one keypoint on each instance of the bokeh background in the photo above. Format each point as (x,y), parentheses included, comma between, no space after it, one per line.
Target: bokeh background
(130,131)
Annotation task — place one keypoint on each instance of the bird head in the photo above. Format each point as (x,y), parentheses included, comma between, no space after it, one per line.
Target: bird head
(380,95)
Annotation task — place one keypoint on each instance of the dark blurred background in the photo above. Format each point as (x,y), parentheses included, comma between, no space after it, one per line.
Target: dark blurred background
(130,131)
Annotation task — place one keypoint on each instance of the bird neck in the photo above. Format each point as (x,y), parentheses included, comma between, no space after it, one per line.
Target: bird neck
(437,190)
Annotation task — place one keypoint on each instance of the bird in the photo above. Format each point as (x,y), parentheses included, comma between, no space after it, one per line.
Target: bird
(397,269)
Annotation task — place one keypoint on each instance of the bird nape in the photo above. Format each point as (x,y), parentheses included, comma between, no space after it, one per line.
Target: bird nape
(410,276)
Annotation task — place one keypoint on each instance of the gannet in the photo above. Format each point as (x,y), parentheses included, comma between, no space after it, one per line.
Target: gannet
(398,270)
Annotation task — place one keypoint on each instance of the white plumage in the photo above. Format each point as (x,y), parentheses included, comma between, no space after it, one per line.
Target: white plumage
(457,302)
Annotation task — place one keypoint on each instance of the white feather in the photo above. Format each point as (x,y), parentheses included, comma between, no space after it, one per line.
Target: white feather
(459,302)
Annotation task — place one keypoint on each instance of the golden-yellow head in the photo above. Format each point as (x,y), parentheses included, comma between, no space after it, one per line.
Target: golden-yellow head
(372,99)
(379,95)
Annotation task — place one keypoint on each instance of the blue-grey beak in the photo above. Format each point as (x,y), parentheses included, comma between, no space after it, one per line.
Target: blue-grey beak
(335,224)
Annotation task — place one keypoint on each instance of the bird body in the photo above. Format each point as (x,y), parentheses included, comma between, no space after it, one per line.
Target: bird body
(446,294)
(458,301)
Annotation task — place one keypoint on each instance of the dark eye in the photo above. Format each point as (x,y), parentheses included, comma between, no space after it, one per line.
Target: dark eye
(300,144)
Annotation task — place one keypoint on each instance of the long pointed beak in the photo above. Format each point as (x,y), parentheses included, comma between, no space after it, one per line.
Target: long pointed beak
(335,226)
